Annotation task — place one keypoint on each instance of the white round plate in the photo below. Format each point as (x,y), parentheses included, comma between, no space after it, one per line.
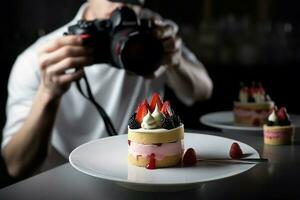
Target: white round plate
(224,121)
(107,159)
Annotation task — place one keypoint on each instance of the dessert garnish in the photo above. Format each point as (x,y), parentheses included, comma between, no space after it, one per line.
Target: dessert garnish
(157,115)
(256,93)
(283,117)
(235,151)
(149,122)
(279,117)
(189,157)
(155,101)
(133,124)
(142,111)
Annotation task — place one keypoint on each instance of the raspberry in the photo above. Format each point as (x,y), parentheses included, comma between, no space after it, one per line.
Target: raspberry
(189,157)
(167,123)
(176,120)
(133,124)
(235,151)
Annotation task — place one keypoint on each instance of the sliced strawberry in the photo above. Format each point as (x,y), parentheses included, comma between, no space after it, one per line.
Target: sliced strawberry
(166,109)
(235,151)
(137,108)
(141,113)
(156,100)
(189,157)
(254,91)
(261,89)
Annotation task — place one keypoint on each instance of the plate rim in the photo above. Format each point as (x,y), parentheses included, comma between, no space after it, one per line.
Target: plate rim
(126,181)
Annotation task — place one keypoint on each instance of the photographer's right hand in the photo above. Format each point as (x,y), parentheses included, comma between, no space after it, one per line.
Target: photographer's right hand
(58,56)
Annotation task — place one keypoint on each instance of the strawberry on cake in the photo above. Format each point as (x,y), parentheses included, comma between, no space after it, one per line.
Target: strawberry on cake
(279,129)
(253,106)
(155,135)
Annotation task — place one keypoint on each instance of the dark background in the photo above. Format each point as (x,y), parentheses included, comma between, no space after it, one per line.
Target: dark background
(252,40)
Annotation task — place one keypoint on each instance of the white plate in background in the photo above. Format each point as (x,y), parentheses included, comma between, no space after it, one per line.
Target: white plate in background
(224,121)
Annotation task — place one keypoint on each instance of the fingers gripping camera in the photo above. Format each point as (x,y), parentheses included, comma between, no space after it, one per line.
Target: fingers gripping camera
(124,41)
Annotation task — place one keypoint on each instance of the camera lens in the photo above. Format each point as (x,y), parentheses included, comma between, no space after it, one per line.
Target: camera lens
(138,52)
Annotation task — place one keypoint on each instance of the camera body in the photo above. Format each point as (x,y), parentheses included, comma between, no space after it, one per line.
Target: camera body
(124,41)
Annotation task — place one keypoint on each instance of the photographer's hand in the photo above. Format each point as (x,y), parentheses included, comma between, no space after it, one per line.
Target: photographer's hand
(58,56)
(29,146)
(186,75)
(167,32)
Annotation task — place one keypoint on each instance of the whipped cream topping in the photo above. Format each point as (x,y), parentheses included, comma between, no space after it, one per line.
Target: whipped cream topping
(253,94)
(272,117)
(259,98)
(149,122)
(157,115)
(243,96)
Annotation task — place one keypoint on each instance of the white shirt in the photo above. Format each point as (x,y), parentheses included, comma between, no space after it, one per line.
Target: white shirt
(77,120)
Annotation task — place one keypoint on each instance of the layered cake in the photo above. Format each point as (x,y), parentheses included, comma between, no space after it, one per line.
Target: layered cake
(155,135)
(279,129)
(253,106)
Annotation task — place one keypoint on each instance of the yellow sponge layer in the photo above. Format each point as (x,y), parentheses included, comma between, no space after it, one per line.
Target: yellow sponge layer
(254,106)
(154,136)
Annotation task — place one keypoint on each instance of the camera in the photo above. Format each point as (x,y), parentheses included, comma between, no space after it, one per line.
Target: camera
(124,40)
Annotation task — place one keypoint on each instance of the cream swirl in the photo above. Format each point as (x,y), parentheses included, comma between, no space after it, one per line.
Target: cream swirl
(272,117)
(149,122)
(157,115)
(259,98)
(243,96)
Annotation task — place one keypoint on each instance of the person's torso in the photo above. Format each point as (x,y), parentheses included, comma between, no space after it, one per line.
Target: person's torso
(115,90)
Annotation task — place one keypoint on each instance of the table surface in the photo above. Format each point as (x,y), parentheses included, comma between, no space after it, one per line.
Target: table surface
(276,179)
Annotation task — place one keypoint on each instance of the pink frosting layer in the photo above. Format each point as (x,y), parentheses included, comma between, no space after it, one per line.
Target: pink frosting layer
(160,150)
(273,135)
(251,113)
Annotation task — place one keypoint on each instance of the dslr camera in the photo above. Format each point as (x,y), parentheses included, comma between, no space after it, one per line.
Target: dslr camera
(124,40)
